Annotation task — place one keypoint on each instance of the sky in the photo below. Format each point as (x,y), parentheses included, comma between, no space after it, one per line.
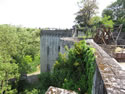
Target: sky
(42,13)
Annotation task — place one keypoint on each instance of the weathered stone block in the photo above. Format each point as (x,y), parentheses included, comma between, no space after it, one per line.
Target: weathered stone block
(55,90)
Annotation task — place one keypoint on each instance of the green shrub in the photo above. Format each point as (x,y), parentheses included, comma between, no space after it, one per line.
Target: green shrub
(77,68)
(34,91)
(73,70)
(28,65)
(35,63)
(45,81)
(25,65)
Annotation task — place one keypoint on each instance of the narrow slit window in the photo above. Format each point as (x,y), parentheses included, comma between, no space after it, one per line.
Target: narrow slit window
(48,51)
(58,48)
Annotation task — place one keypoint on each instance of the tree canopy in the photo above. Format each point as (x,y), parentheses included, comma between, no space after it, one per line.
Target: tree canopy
(19,49)
(88,8)
(116,11)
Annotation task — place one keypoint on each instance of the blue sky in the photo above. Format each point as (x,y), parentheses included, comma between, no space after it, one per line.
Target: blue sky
(42,13)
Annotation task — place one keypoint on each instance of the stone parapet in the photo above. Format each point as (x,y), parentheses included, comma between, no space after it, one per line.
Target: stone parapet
(61,33)
(112,74)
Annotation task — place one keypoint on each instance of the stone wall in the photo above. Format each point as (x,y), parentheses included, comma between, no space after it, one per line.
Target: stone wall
(109,77)
(50,47)
(98,84)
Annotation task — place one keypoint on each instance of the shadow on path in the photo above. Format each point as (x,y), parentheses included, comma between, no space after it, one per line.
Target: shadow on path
(33,77)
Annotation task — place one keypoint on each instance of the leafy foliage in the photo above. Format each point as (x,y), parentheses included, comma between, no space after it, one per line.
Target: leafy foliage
(107,22)
(79,67)
(34,91)
(88,8)
(19,50)
(25,65)
(7,72)
(116,11)
(73,70)
(98,21)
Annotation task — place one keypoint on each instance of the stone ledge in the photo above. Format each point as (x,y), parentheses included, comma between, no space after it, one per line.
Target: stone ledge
(111,72)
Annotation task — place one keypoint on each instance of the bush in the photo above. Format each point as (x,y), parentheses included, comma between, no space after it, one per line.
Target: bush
(72,71)
(35,63)
(45,81)
(77,68)
(34,91)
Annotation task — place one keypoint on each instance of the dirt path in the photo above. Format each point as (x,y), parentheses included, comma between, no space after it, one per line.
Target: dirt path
(33,77)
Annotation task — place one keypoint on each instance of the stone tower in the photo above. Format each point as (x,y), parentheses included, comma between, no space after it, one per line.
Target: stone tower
(50,46)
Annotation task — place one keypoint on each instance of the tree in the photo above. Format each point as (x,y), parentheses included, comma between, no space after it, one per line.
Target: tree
(8,71)
(29,45)
(8,42)
(25,65)
(8,48)
(97,22)
(116,11)
(107,22)
(88,8)
(18,48)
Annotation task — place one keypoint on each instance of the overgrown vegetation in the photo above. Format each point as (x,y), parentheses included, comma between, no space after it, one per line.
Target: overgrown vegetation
(73,70)
(19,55)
